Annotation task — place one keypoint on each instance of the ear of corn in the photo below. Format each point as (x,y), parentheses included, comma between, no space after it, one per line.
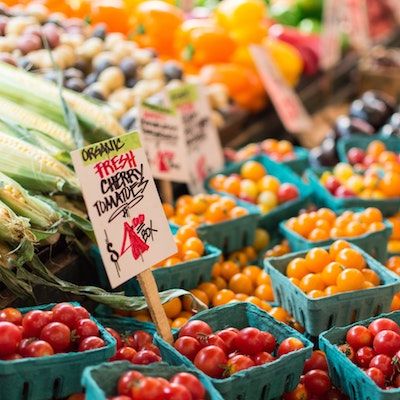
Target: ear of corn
(13,229)
(43,97)
(19,159)
(39,213)
(10,111)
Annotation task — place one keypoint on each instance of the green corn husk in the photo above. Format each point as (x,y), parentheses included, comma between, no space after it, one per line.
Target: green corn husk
(44,98)
(32,167)
(40,214)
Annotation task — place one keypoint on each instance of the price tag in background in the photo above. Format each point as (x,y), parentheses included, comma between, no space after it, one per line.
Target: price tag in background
(331,47)
(131,228)
(358,24)
(164,141)
(204,149)
(287,104)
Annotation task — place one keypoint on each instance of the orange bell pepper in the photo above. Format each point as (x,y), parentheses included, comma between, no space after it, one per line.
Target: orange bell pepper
(155,24)
(201,42)
(112,13)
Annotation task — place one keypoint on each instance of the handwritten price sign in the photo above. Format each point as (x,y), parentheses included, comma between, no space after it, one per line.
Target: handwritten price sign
(164,140)
(131,229)
(203,147)
(287,104)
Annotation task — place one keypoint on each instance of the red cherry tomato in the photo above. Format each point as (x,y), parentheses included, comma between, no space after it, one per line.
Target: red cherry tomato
(238,363)
(193,384)
(10,337)
(65,313)
(145,357)
(359,336)
(116,336)
(11,315)
(269,342)
(263,358)
(347,351)
(39,348)
(288,345)
(130,341)
(85,328)
(383,324)
(334,394)
(23,345)
(188,346)
(228,336)
(121,398)
(377,376)
(249,341)
(148,388)
(387,342)
(34,321)
(141,338)
(300,393)
(127,381)
(82,313)
(195,328)
(287,192)
(364,356)
(152,347)
(57,335)
(175,391)
(12,357)
(396,381)
(125,353)
(384,363)
(316,361)
(211,360)
(317,382)
(212,340)
(91,343)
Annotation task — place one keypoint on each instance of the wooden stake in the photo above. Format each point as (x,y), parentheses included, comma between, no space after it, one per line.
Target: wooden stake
(150,291)
(167,193)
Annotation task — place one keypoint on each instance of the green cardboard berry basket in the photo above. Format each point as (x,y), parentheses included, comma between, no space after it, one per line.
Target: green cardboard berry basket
(348,376)
(362,142)
(270,220)
(101,381)
(56,376)
(374,243)
(318,315)
(325,199)
(264,382)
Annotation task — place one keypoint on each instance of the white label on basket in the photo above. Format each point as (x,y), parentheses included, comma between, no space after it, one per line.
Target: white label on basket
(129,222)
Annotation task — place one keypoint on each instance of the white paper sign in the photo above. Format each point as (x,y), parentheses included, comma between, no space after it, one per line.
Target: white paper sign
(331,32)
(358,25)
(131,228)
(204,149)
(164,141)
(287,104)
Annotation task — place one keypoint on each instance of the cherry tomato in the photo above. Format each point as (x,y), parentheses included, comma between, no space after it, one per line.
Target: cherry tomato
(364,356)
(396,381)
(125,353)
(212,340)
(263,358)
(238,363)
(316,361)
(194,386)
(141,338)
(195,328)
(384,363)
(300,393)
(145,357)
(23,345)
(116,336)
(82,313)
(130,341)
(39,348)
(347,351)
(188,346)
(65,313)
(152,347)
(34,321)
(211,360)
(11,315)
(383,324)
(249,341)
(317,382)
(12,357)
(85,328)
(127,381)
(359,336)
(57,335)
(269,342)
(91,343)
(377,376)
(175,391)
(121,398)
(334,394)
(228,336)
(288,345)
(10,337)
(148,388)
(387,342)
